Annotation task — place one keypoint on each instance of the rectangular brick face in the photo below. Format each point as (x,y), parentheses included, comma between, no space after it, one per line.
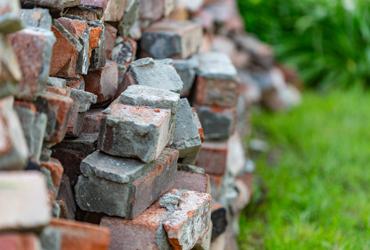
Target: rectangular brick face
(213,157)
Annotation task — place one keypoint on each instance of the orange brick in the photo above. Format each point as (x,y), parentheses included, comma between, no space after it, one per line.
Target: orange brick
(56,171)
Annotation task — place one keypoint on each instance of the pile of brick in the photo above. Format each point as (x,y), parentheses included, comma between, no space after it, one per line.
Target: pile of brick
(121,123)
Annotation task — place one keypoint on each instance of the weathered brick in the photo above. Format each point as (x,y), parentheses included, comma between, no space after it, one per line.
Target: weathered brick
(217,123)
(139,184)
(170,38)
(26,205)
(153,73)
(186,137)
(187,71)
(149,97)
(205,242)
(57,82)
(97,45)
(154,10)
(192,181)
(56,171)
(190,168)
(124,51)
(81,236)
(66,200)
(103,82)
(130,16)
(185,216)
(36,17)
(198,124)
(19,241)
(10,73)
(13,145)
(97,3)
(33,125)
(219,219)
(76,83)
(110,39)
(92,121)
(138,132)
(32,47)
(57,109)
(213,157)
(217,83)
(86,12)
(10,20)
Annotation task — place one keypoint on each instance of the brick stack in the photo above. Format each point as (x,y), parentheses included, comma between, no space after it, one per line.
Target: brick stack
(121,125)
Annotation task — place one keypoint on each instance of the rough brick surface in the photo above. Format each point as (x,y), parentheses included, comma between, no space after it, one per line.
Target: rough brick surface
(92,121)
(110,36)
(32,47)
(124,51)
(130,16)
(192,181)
(81,236)
(19,241)
(139,132)
(26,205)
(213,157)
(124,187)
(56,171)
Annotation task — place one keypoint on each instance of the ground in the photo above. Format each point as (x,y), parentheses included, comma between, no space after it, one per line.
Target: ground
(313,186)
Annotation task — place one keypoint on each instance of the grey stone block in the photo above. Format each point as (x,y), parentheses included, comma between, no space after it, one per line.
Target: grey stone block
(186,137)
(187,71)
(130,16)
(217,123)
(137,95)
(134,132)
(124,187)
(37,17)
(10,20)
(155,73)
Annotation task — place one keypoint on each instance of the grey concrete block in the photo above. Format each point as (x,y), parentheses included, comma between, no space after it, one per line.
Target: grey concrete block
(186,137)
(187,70)
(124,187)
(37,17)
(130,131)
(155,73)
(137,95)
(217,123)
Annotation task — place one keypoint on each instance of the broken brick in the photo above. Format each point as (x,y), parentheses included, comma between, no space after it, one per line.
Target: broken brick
(56,171)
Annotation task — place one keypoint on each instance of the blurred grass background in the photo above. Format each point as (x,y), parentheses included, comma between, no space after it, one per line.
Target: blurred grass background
(328,40)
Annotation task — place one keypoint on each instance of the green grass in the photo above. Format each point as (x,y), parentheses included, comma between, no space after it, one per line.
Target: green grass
(317,194)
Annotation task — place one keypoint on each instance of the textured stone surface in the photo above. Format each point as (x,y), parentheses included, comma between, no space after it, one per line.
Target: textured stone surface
(170,38)
(86,12)
(32,47)
(217,83)
(139,132)
(10,20)
(26,205)
(81,236)
(217,123)
(57,109)
(103,82)
(122,186)
(186,137)
(36,17)
(19,241)
(187,70)
(66,200)
(153,73)
(154,10)
(192,181)
(13,145)
(219,219)
(136,95)
(130,16)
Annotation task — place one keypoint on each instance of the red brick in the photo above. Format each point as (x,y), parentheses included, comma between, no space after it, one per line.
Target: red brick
(58,91)
(192,181)
(94,38)
(103,82)
(63,51)
(56,171)
(76,83)
(18,241)
(69,69)
(92,121)
(213,157)
(81,236)
(110,38)
(74,27)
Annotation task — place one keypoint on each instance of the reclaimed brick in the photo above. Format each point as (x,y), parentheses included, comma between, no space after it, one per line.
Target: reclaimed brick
(56,171)
(32,47)
(186,68)
(198,124)
(19,241)
(110,39)
(97,45)
(190,168)
(76,83)
(205,242)
(81,236)
(10,20)
(13,145)
(86,12)
(57,82)
(217,123)
(192,181)
(37,17)
(66,200)
(217,83)
(103,82)
(114,10)
(186,137)
(27,203)
(130,16)
(92,121)
(171,39)
(155,10)
(124,187)
(219,219)
(135,132)
(153,73)
(57,109)
(124,51)
(144,96)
